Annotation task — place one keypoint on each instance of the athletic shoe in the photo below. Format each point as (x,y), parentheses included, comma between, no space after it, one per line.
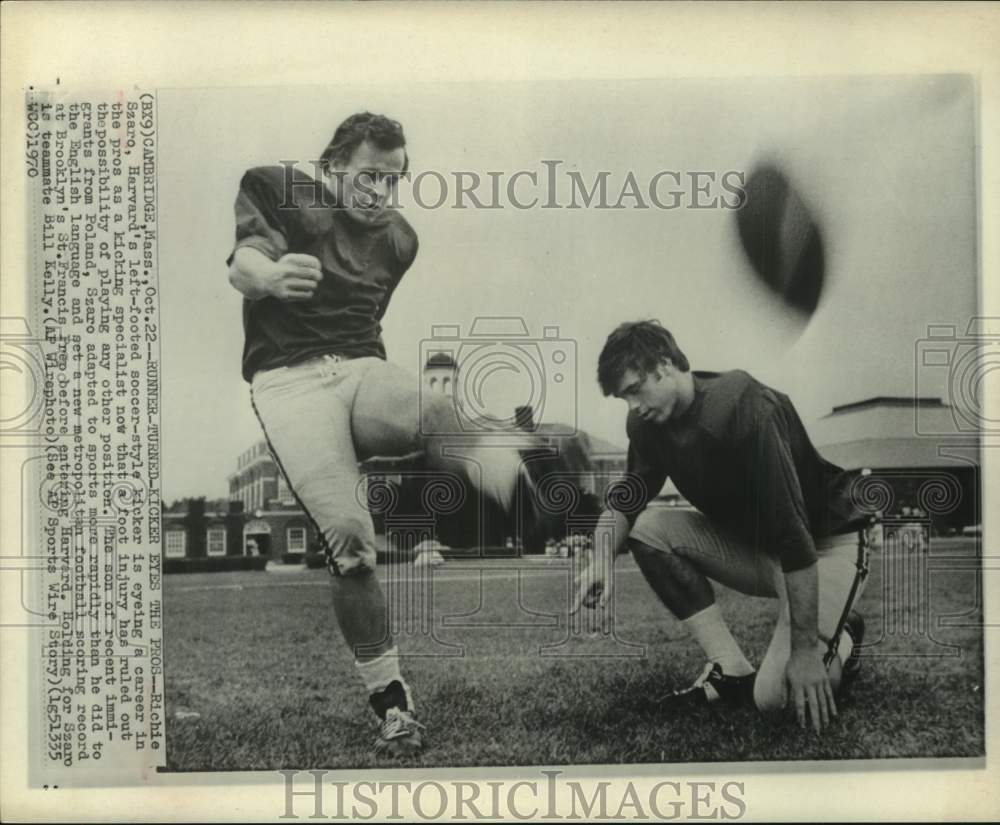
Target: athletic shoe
(399,734)
(855,628)
(714,686)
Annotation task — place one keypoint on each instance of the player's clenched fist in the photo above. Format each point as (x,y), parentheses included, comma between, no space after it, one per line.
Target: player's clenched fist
(294,277)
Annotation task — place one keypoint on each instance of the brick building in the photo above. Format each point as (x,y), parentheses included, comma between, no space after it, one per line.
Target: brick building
(921,464)
(262,518)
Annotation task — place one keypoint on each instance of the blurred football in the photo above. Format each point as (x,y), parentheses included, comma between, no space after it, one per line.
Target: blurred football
(782,239)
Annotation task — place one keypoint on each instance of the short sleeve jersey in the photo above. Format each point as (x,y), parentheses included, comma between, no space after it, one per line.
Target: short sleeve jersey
(280,211)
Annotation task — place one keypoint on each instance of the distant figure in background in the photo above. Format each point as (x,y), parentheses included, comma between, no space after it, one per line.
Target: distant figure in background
(317,262)
(775,520)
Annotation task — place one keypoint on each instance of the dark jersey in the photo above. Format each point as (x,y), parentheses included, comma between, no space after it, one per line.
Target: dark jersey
(361,267)
(741,456)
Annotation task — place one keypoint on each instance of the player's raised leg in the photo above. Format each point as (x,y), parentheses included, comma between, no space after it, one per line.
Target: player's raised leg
(305,413)
(392,417)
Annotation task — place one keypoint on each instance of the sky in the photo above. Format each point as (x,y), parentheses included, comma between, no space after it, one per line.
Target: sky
(887,165)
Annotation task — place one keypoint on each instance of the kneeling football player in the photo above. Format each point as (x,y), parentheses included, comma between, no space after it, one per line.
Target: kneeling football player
(773,519)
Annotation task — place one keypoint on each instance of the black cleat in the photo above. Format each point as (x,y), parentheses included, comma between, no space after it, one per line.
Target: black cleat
(855,628)
(400,732)
(399,735)
(714,686)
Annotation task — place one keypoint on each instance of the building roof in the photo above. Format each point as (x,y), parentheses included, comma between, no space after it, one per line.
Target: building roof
(887,401)
(895,432)
(900,453)
(889,418)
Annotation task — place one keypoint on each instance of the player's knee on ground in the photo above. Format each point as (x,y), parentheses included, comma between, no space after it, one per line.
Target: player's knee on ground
(351,546)
(835,671)
(769,692)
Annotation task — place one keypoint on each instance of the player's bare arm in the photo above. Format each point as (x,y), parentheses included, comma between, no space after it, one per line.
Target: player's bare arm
(596,579)
(293,277)
(806,676)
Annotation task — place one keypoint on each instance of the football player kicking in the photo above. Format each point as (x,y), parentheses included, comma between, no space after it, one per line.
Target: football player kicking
(317,260)
(773,519)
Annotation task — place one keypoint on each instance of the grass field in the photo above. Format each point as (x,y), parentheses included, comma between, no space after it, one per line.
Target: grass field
(500,678)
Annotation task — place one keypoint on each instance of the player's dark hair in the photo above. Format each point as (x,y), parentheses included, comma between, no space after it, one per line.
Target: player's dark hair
(639,346)
(385,133)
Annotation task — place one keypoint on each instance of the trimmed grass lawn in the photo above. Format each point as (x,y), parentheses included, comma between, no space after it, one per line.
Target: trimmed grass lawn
(501,676)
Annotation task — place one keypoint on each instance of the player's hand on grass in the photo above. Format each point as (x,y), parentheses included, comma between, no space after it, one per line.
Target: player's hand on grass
(293,277)
(809,689)
(593,579)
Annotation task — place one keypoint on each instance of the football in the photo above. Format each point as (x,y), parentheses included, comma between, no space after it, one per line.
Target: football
(782,239)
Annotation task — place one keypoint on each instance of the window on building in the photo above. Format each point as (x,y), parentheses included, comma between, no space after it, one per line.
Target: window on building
(446,386)
(285,492)
(174,544)
(216,544)
(296,539)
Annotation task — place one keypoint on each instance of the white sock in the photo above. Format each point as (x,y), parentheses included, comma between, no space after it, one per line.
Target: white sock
(710,632)
(378,673)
